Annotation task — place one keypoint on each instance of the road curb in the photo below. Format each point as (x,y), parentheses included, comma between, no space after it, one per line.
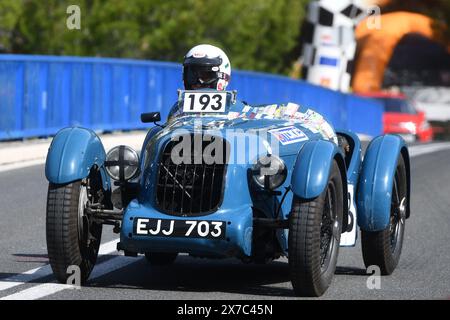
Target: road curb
(13,154)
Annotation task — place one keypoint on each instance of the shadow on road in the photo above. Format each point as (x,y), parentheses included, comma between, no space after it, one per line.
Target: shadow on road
(350,271)
(195,275)
(202,275)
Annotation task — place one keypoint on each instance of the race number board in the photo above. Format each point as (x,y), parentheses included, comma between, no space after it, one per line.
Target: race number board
(196,102)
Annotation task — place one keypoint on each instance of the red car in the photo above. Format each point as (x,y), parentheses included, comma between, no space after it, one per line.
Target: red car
(401,117)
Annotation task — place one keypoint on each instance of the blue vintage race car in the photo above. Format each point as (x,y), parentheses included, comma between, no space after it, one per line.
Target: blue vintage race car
(222,178)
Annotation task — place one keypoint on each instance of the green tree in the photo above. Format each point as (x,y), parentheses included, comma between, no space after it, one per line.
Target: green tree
(10,11)
(257,35)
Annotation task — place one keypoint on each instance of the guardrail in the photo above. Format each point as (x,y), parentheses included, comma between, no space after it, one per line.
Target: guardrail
(41,94)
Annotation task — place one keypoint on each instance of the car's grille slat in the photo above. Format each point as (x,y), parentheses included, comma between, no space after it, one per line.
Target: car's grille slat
(212,186)
(189,188)
(173,189)
(184,185)
(193,190)
(202,188)
(166,184)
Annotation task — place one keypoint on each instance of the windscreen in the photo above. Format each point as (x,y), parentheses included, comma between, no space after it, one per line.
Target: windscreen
(398,106)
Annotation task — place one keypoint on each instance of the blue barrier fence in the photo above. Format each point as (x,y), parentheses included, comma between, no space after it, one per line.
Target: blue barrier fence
(41,94)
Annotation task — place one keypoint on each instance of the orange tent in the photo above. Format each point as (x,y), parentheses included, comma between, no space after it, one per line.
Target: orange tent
(375,46)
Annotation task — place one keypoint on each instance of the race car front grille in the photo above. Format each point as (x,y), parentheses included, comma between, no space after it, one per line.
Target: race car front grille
(193,187)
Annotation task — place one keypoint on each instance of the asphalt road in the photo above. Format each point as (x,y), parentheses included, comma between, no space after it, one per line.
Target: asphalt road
(423,271)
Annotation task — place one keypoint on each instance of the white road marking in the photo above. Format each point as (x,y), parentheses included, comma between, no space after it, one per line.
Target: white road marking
(46,289)
(44,271)
(38,292)
(22,155)
(20,165)
(108,247)
(27,276)
(419,150)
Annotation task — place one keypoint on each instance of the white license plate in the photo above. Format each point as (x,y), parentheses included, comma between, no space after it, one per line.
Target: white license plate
(179,228)
(195,102)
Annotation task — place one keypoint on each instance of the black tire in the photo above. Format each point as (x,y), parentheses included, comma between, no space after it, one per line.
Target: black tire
(71,239)
(383,248)
(161,258)
(314,236)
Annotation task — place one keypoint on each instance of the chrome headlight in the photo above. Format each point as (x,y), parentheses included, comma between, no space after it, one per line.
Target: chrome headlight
(122,163)
(269,172)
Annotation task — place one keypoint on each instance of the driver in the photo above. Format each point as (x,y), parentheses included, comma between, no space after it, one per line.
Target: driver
(204,67)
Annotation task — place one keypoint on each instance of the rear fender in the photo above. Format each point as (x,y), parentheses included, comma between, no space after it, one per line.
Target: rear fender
(376,180)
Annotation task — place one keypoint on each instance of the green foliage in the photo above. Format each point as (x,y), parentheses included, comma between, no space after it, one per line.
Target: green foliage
(257,35)
(10,11)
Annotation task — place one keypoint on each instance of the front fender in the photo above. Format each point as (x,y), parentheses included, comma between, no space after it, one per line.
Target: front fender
(72,154)
(376,181)
(312,168)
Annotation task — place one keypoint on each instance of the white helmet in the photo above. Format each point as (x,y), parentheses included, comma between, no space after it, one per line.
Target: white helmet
(206,66)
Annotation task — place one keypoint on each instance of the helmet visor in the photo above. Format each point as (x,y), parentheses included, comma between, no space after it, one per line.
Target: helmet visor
(206,77)
(200,76)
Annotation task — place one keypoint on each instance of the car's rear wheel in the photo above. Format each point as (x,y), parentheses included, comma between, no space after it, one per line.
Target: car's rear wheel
(314,235)
(383,248)
(73,238)
(161,258)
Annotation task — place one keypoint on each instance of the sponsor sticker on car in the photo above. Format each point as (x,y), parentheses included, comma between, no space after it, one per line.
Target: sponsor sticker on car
(288,135)
(233,115)
(291,109)
(314,128)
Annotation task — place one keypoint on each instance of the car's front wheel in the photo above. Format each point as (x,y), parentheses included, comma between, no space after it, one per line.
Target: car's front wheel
(73,238)
(314,235)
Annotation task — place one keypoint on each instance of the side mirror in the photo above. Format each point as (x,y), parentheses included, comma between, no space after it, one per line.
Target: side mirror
(150,117)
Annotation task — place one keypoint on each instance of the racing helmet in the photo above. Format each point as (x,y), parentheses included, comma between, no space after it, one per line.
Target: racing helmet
(206,66)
